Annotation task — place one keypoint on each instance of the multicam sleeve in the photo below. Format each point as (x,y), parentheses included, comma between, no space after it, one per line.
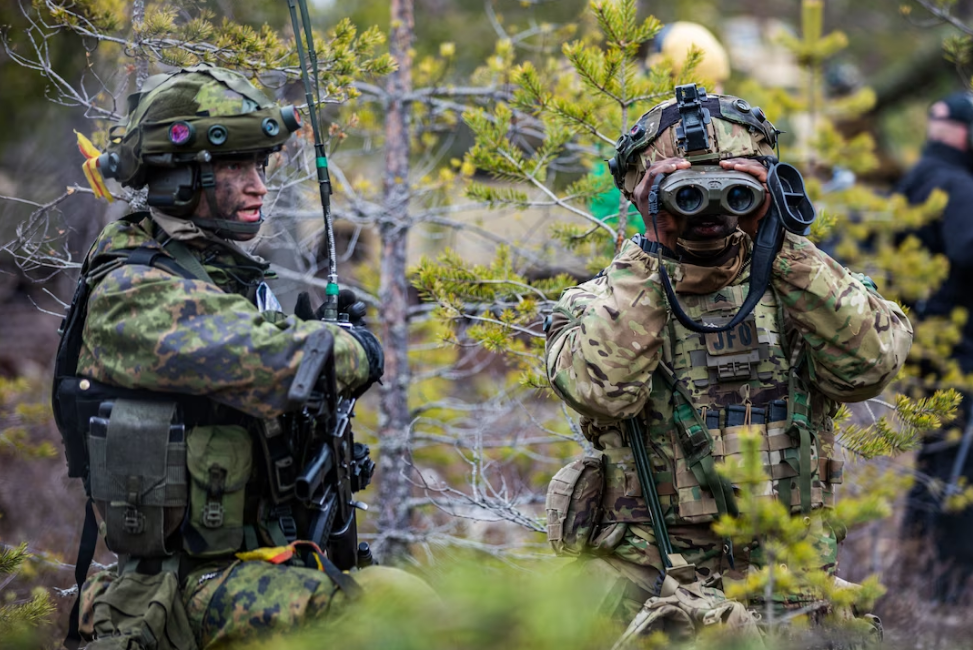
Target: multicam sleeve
(148,329)
(605,338)
(857,341)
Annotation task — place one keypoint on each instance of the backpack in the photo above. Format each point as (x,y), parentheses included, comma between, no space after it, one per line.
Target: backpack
(83,406)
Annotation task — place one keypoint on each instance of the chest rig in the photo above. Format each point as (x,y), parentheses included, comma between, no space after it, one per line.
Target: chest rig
(157,464)
(708,390)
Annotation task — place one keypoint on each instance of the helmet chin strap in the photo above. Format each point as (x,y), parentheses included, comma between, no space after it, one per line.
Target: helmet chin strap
(221,224)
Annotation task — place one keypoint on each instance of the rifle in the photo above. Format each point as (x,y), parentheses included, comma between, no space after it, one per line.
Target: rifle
(335,466)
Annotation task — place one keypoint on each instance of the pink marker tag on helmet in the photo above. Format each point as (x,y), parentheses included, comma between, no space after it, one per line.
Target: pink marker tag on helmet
(180,133)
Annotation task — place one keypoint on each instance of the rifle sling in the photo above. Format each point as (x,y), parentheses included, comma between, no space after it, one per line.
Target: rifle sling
(643,468)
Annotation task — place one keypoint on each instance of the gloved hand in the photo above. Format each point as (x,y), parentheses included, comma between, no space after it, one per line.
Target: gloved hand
(375,355)
(348,303)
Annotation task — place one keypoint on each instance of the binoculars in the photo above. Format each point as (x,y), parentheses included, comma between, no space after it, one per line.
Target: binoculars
(710,190)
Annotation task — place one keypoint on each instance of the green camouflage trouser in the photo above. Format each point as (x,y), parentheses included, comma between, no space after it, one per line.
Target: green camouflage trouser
(247,599)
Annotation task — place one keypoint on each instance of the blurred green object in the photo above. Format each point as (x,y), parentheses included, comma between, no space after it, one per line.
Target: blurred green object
(605,206)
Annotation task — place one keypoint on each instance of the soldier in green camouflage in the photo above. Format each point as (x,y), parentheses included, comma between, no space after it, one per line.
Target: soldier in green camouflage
(192,317)
(820,335)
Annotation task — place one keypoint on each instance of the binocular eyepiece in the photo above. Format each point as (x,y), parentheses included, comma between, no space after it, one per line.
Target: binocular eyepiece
(710,190)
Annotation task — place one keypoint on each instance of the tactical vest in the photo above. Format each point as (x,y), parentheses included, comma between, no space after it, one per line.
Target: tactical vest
(157,464)
(708,389)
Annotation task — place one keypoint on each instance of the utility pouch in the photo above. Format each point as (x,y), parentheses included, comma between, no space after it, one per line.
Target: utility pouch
(137,452)
(623,500)
(220,459)
(141,612)
(574,506)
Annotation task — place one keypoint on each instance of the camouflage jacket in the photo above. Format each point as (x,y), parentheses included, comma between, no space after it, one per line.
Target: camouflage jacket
(151,330)
(604,347)
(606,335)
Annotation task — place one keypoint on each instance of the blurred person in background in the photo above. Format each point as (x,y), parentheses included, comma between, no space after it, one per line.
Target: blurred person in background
(946,164)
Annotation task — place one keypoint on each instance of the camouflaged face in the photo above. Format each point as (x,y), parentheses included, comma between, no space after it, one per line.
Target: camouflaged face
(150,330)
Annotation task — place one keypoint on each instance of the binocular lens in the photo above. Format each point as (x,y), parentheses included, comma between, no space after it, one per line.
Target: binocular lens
(689,199)
(739,199)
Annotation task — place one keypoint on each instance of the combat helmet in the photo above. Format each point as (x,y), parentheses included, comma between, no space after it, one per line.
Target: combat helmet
(699,127)
(179,124)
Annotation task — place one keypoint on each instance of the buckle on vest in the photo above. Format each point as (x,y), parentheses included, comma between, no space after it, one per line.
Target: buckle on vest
(134,521)
(285,519)
(288,526)
(207,178)
(696,437)
(213,514)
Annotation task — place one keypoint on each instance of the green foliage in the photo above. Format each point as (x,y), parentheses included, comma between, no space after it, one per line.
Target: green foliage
(497,308)
(887,437)
(790,548)
(482,605)
(575,102)
(19,415)
(20,620)
(175,35)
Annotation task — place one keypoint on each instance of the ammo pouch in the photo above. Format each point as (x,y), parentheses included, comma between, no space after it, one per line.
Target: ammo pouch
(137,452)
(141,612)
(574,505)
(220,459)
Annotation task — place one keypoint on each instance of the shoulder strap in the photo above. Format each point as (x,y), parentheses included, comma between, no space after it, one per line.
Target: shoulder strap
(798,415)
(187,261)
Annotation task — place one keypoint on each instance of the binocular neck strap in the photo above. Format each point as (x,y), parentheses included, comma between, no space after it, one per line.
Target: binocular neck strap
(770,237)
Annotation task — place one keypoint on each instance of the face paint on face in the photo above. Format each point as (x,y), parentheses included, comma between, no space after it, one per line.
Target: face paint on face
(240,190)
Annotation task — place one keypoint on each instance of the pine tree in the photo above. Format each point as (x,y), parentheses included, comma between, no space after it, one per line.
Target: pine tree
(21,618)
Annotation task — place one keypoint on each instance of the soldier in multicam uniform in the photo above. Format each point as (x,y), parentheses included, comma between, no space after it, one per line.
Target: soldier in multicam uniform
(199,139)
(819,336)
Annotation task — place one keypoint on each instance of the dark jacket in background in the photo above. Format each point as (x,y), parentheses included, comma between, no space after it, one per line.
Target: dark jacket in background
(943,167)
(946,168)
